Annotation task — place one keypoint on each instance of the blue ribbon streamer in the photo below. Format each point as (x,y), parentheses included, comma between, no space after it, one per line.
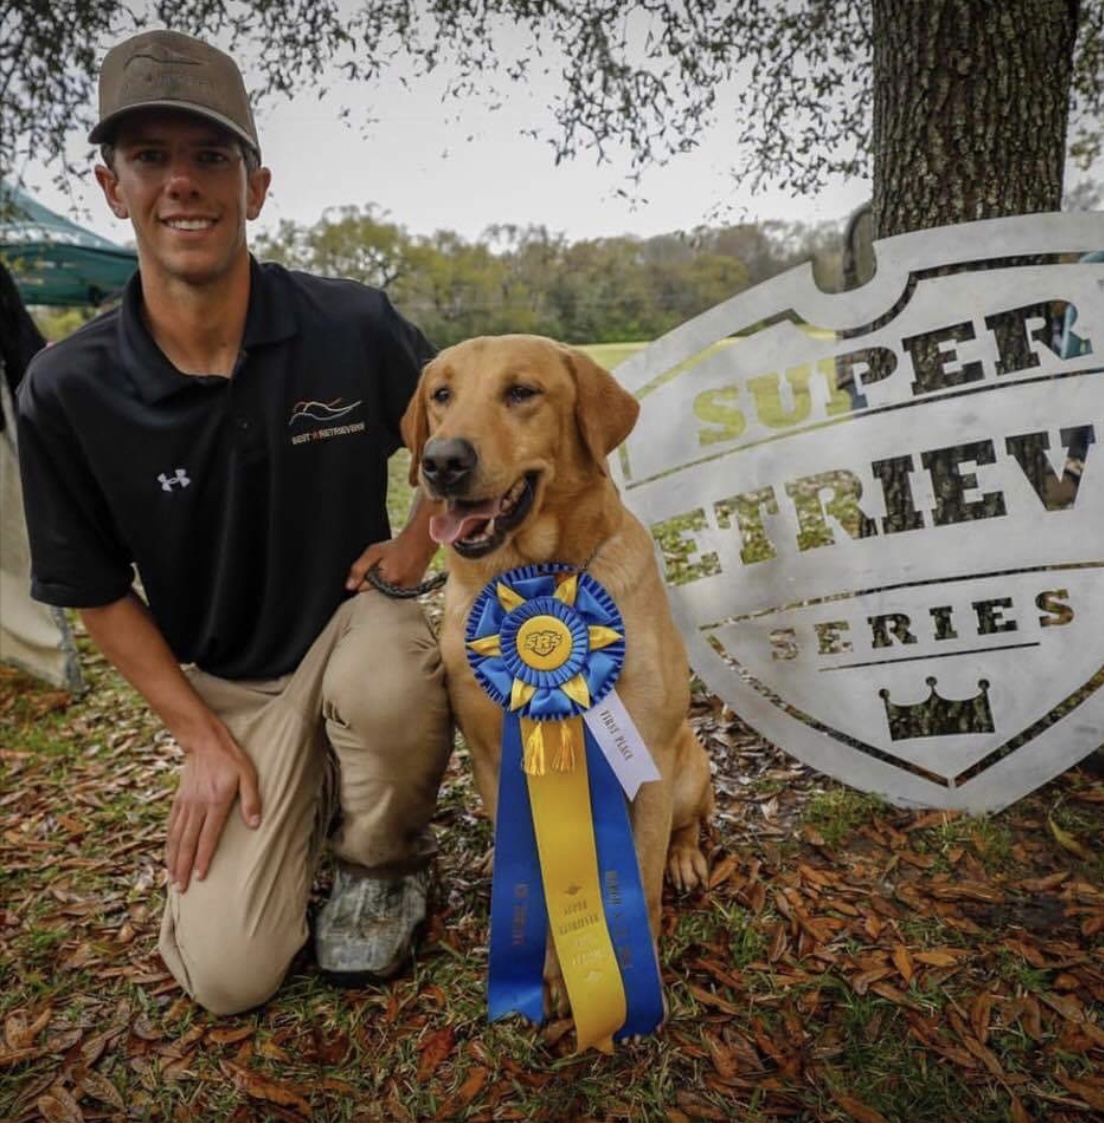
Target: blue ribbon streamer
(626,908)
(519,917)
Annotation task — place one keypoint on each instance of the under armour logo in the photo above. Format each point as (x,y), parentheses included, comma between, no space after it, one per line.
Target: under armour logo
(181,478)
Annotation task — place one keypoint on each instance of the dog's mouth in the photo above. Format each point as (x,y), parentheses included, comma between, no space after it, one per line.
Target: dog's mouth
(476,527)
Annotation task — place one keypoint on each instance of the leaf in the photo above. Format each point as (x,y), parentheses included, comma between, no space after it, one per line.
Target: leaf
(856,1109)
(1068,1007)
(698,1108)
(225,1035)
(1092,1097)
(1067,841)
(97,1086)
(13,1058)
(939,958)
(712,1000)
(57,1104)
(723,870)
(861,982)
(1047,883)
(974,891)
(903,961)
(778,942)
(144,1029)
(256,1085)
(894,995)
(992,1064)
(19,1033)
(979,1015)
(435,1049)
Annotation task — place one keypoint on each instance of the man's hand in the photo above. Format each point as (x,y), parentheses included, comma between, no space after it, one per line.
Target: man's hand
(402,563)
(216,769)
(404,559)
(209,783)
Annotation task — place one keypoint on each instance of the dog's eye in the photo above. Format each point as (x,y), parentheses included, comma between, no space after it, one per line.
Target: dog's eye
(441,395)
(520,393)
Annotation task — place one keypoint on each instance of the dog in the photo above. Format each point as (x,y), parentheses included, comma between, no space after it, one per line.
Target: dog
(510,435)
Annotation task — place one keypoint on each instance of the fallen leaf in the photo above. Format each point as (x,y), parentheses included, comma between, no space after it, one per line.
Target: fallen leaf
(20,1033)
(940,958)
(723,870)
(894,995)
(974,891)
(712,1000)
(97,1086)
(1047,883)
(266,1089)
(1017,1111)
(778,942)
(224,1035)
(1068,841)
(979,1016)
(1092,1097)
(992,1063)
(57,1104)
(861,982)
(1068,1007)
(435,1049)
(903,962)
(856,1109)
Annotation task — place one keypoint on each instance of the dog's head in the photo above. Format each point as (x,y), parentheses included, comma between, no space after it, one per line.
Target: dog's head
(500,424)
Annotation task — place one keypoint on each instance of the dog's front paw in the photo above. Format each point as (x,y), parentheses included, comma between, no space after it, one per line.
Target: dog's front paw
(687,868)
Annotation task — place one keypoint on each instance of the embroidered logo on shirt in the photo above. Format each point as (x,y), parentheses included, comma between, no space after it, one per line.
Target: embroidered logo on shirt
(179,478)
(324,412)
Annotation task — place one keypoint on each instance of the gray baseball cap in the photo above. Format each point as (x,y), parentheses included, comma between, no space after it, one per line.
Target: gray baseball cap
(169,70)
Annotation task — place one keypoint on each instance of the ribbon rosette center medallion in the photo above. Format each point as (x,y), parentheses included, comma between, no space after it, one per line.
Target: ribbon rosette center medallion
(547,644)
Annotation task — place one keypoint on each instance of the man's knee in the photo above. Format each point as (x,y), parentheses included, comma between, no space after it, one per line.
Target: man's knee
(229,973)
(396,691)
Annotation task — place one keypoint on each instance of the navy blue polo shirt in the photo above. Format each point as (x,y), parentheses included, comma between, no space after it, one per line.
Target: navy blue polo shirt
(241,502)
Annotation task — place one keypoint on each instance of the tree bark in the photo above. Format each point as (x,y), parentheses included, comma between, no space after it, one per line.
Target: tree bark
(971,104)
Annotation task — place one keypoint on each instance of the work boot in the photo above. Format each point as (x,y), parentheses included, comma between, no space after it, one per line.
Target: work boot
(365,932)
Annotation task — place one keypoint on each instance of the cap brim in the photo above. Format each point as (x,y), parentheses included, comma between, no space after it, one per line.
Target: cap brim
(104,131)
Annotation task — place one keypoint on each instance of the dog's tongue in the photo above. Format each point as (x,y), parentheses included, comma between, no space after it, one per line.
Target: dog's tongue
(458,523)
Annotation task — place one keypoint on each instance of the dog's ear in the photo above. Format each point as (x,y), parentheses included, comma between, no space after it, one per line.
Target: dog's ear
(414,428)
(604,411)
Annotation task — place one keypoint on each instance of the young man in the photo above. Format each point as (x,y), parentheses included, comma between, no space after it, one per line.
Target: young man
(225,432)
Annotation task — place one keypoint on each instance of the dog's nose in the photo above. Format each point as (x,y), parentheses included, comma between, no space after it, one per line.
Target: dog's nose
(447,463)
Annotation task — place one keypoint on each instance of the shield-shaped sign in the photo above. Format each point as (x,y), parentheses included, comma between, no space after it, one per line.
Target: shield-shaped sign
(881,512)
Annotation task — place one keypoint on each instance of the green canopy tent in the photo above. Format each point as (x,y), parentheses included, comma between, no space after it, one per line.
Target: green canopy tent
(53,260)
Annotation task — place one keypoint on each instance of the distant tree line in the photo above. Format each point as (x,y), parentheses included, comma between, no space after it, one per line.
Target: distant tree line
(528,279)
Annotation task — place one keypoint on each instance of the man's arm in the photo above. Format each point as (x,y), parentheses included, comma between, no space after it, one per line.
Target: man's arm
(216,769)
(404,559)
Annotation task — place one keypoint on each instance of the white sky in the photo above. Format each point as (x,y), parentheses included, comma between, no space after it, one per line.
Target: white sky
(462,167)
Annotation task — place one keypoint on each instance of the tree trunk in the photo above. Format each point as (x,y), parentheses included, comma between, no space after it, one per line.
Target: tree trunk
(971,102)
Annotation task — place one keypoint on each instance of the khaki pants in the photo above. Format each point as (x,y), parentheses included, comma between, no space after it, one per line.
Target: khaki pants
(368,697)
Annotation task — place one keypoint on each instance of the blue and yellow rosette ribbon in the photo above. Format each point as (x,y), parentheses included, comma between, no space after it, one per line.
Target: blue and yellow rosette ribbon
(547,643)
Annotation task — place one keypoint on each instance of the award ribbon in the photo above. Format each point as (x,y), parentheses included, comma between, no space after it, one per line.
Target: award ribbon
(547,645)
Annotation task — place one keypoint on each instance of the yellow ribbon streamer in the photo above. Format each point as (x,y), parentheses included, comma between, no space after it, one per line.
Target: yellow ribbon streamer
(569,867)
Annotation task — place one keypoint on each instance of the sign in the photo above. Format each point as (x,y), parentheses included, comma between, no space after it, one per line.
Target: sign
(881,512)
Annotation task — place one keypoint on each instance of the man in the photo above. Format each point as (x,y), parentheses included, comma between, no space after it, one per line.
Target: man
(225,432)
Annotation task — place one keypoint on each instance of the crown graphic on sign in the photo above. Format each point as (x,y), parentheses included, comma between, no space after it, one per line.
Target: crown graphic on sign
(937,716)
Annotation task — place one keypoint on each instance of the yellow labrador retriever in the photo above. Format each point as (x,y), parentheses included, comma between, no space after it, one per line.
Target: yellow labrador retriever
(511,435)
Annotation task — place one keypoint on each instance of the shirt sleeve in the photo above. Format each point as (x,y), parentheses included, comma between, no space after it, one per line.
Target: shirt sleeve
(405,351)
(78,558)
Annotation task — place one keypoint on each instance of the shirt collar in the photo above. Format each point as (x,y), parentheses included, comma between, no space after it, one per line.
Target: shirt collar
(269,319)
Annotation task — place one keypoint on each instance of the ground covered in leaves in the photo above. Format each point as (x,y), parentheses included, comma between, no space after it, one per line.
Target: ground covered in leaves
(849,961)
